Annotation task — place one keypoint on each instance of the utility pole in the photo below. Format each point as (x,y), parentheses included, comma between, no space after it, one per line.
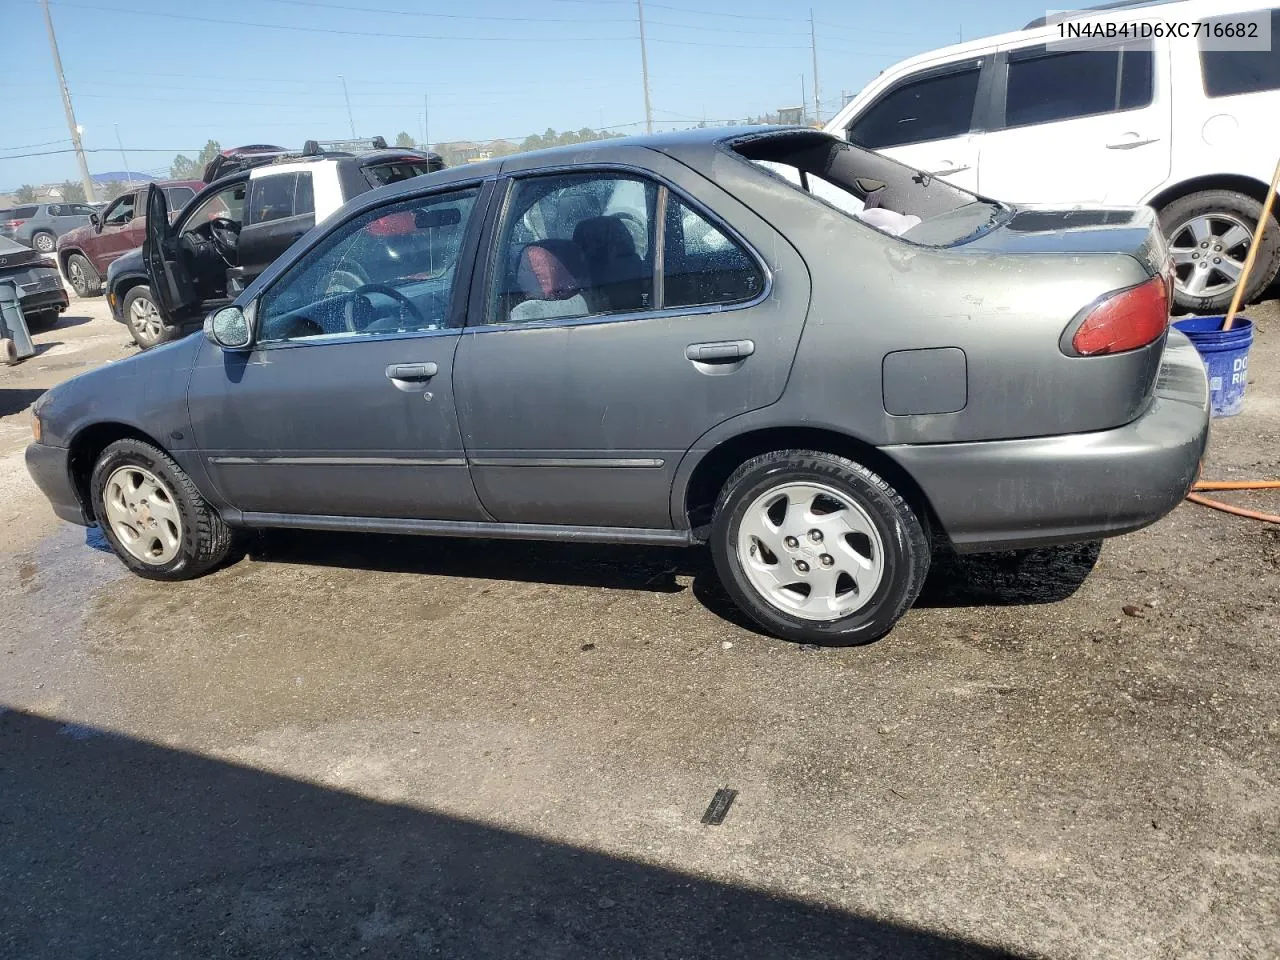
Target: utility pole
(346,97)
(66,105)
(804,101)
(644,71)
(426,124)
(123,158)
(813,42)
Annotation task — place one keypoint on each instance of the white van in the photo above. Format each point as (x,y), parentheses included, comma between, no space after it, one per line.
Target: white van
(1193,132)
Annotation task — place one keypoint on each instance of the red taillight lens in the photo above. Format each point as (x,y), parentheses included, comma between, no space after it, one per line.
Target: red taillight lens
(1125,321)
(12,223)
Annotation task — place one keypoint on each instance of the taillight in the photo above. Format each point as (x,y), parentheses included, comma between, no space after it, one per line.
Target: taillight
(1124,320)
(12,223)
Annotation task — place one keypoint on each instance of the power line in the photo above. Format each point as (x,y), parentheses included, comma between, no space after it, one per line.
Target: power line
(28,146)
(293,28)
(445,16)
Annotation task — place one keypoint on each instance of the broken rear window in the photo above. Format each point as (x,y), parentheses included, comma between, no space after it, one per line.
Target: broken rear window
(381,174)
(882,193)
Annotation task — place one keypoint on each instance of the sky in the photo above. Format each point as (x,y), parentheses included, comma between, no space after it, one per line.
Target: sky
(168,76)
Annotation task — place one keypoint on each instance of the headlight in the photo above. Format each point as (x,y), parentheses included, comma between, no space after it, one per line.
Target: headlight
(37,428)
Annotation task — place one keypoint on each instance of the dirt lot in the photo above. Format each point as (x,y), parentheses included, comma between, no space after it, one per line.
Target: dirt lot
(341,746)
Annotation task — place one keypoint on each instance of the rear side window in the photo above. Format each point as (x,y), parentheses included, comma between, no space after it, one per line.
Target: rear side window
(1048,87)
(178,197)
(279,196)
(933,107)
(702,264)
(1228,73)
(23,213)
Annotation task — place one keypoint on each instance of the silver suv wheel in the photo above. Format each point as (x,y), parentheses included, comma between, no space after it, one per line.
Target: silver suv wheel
(144,321)
(810,551)
(1209,252)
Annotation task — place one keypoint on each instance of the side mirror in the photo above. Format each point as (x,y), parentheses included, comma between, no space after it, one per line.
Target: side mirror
(96,221)
(229,328)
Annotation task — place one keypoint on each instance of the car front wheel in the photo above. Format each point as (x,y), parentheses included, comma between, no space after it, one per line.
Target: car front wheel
(143,319)
(83,278)
(817,548)
(152,514)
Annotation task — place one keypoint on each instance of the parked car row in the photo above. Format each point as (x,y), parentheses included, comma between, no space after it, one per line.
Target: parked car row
(655,340)
(1170,123)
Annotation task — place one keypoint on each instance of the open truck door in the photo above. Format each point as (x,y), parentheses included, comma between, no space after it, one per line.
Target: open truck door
(167,269)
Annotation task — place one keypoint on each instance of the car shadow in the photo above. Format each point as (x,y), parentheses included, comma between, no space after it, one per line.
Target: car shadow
(65,321)
(15,400)
(114,847)
(1006,579)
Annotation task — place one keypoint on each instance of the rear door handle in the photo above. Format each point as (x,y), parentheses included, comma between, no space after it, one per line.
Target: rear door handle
(411,372)
(721,351)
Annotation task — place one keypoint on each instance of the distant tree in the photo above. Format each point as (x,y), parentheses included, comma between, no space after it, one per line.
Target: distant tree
(110,190)
(184,168)
(404,141)
(72,192)
(25,194)
(532,142)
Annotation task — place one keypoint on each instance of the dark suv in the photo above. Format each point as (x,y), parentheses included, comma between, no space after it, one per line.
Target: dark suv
(260,203)
(85,253)
(39,225)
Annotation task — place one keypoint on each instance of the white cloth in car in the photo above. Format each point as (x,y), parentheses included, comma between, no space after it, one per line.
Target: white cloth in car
(888,220)
(574,306)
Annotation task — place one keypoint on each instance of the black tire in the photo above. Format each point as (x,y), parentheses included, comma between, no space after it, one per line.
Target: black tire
(906,545)
(205,538)
(145,333)
(1241,207)
(43,241)
(82,276)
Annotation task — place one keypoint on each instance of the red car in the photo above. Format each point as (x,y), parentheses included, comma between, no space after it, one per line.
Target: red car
(85,253)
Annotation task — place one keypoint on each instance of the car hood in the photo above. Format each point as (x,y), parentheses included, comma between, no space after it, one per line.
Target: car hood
(130,262)
(76,237)
(147,391)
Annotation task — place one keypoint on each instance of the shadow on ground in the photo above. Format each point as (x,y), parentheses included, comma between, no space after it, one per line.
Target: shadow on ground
(1006,579)
(14,400)
(116,848)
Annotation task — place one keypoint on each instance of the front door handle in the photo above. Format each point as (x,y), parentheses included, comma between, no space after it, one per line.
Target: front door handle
(722,351)
(411,372)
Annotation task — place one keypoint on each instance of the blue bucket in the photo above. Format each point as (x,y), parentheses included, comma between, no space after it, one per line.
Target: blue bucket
(1226,359)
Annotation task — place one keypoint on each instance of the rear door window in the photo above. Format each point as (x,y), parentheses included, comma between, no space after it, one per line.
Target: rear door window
(23,213)
(934,106)
(279,196)
(1229,73)
(1044,87)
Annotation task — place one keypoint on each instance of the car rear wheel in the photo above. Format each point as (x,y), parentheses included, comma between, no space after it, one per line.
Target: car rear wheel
(817,548)
(83,278)
(1209,236)
(143,319)
(152,514)
(44,242)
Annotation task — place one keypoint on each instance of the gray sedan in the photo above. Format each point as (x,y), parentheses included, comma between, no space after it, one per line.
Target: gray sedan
(811,358)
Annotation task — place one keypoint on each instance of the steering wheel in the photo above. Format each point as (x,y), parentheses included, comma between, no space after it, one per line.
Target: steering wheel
(225,234)
(358,317)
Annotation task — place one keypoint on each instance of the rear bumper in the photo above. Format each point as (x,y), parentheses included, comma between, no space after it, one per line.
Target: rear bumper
(50,468)
(1013,494)
(47,300)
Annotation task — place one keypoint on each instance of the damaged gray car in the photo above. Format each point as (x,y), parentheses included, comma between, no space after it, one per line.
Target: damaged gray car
(695,338)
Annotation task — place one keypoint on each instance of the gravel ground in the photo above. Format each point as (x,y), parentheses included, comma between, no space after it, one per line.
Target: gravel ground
(410,747)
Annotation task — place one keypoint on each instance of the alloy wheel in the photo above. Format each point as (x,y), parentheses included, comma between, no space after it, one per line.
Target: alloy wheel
(1209,252)
(811,551)
(145,320)
(43,242)
(75,273)
(143,515)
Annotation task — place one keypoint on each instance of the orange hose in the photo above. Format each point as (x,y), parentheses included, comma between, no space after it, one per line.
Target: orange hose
(1235,485)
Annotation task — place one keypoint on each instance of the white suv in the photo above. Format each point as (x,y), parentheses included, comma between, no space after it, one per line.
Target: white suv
(1190,131)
